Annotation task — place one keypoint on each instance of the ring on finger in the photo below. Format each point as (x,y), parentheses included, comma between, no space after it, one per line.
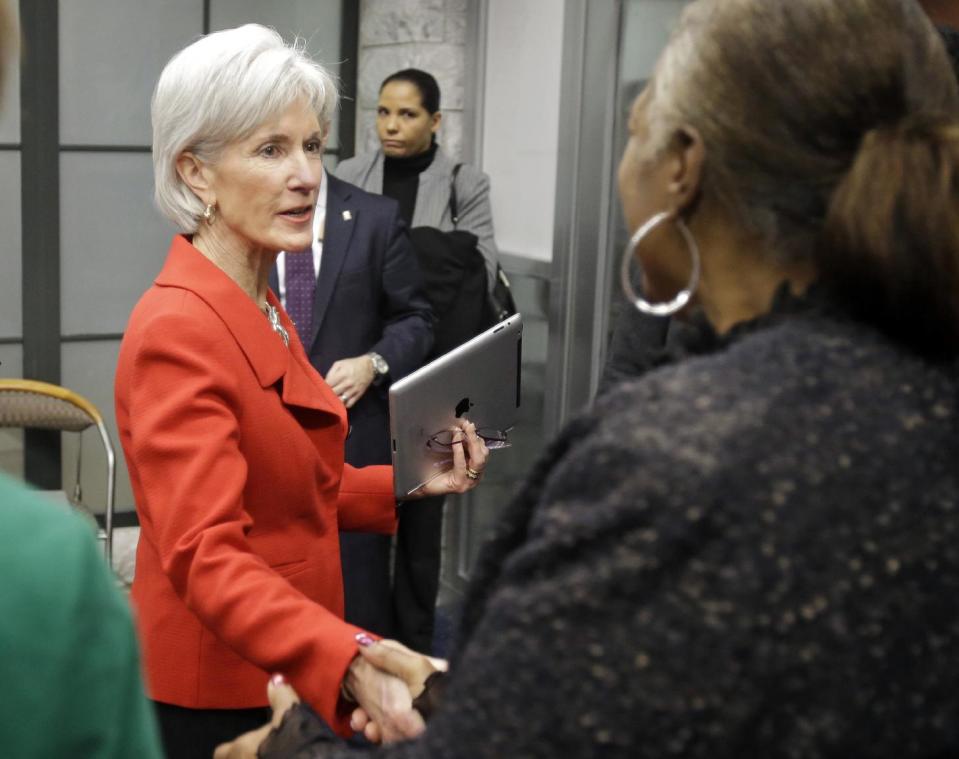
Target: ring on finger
(472,473)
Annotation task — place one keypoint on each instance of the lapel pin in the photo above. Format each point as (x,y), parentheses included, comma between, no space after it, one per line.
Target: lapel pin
(347,216)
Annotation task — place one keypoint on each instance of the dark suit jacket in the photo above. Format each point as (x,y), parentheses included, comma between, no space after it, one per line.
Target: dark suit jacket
(368,298)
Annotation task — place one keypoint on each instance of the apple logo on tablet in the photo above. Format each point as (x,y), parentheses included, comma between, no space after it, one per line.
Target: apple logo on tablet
(462,407)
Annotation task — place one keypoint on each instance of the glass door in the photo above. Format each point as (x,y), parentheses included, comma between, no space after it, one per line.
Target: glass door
(644,31)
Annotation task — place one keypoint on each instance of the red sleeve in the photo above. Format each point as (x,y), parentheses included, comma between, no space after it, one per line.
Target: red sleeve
(184,440)
(367,503)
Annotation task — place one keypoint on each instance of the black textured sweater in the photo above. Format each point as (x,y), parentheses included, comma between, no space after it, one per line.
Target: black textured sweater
(751,553)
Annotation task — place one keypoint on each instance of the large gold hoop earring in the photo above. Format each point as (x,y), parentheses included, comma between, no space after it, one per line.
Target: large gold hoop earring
(682,298)
(209,213)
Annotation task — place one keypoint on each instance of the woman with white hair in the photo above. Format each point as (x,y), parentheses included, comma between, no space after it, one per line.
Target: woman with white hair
(234,443)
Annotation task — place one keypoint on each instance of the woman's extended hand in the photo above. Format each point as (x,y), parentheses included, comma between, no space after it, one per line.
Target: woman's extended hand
(393,657)
(385,700)
(282,697)
(469,461)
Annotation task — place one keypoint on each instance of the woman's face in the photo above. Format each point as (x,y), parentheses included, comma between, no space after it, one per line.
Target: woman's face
(404,126)
(645,178)
(266,185)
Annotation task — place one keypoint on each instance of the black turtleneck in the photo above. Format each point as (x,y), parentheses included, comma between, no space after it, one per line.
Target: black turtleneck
(401,179)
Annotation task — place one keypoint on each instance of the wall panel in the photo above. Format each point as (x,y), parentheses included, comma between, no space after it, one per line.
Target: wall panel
(88,369)
(11,440)
(111,55)
(10,109)
(113,241)
(11,319)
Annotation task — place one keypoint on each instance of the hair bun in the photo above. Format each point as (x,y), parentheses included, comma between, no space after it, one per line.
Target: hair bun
(892,231)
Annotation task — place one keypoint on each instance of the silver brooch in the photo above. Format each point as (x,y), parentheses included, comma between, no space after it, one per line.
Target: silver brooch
(274,317)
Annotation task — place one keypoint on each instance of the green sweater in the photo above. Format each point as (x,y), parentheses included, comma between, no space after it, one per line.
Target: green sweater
(70,683)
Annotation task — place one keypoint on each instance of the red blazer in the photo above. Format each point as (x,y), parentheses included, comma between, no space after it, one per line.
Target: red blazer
(235,449)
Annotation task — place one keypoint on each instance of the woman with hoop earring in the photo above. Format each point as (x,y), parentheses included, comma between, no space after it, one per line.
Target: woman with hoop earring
(644,339)
(752,552)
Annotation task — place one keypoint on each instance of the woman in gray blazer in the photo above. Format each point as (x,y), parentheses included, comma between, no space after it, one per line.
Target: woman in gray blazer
(411,167)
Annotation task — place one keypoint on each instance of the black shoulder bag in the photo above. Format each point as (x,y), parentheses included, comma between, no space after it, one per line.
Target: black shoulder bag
(499,303)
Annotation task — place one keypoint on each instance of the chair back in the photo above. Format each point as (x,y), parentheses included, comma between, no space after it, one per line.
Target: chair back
(41,405)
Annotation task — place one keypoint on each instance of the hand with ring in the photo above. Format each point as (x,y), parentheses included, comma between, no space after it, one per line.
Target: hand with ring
(350,378)
(470,456)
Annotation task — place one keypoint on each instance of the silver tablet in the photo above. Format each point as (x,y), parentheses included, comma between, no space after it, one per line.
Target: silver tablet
(479,381)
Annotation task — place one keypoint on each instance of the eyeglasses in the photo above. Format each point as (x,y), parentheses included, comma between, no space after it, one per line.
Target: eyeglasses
(494,439)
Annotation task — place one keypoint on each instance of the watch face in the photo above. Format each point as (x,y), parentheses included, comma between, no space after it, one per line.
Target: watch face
(379,364)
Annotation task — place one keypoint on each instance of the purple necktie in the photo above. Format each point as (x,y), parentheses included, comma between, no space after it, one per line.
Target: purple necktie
(300,289)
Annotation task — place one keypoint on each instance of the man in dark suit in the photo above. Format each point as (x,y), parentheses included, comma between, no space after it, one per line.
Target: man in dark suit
(362,317)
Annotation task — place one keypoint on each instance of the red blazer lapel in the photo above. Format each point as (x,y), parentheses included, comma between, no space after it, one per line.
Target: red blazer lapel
(271,360)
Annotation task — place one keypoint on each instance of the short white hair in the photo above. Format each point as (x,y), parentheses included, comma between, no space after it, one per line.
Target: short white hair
(221,89)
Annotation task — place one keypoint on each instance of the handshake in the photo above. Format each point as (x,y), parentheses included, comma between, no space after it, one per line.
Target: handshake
(394,690)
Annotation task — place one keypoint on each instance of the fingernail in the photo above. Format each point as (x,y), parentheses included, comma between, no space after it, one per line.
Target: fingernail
(364,640)
(277,680)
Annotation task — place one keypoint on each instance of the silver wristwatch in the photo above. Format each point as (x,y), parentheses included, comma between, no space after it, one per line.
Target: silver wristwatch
(380,367)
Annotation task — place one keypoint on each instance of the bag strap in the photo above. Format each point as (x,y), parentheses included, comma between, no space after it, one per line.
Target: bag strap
(454,214)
